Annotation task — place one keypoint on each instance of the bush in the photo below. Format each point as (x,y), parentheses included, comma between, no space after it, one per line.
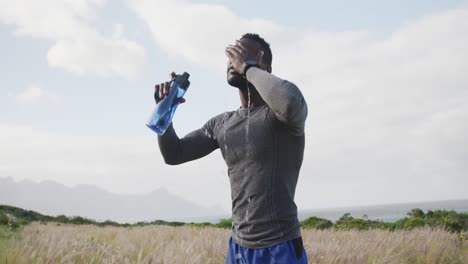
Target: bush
(225,223)
(78,220)
(175,223)
(317,223)
(355,223)
(453,221)
(108,223)
(379,224)
(62,219)
(414,223)
(3,219)
(204,224)
(416,213)
(344,219)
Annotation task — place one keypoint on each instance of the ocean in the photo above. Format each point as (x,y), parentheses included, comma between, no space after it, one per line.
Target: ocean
(387,212)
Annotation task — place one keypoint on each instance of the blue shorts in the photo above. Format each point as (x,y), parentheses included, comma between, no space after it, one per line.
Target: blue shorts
(289,252)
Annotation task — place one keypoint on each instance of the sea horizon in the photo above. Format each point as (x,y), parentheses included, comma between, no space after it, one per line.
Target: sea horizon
(386,212)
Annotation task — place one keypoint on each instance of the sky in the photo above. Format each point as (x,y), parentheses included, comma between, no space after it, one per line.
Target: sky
(385,81)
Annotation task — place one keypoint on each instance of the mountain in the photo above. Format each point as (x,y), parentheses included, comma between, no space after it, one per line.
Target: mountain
(52,198)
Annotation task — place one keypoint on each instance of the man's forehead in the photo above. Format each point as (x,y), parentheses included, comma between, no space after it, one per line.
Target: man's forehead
(250,43)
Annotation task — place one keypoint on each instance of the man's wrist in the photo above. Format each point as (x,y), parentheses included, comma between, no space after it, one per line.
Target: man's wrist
(247,65)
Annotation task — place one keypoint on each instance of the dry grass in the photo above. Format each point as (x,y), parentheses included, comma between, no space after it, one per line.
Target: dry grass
(162,244)
(378,246)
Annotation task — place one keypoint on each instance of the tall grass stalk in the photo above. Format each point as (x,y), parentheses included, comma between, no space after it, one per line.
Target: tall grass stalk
(53,243)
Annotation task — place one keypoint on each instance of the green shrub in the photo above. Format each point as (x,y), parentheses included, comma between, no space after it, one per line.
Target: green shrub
(414,223)
(108,223)
(204,224)
(416,213)
(344,219)
(225,223)
(62,219)
(355,223)
(78,220)
(3,219)
(317,223)
(13,217)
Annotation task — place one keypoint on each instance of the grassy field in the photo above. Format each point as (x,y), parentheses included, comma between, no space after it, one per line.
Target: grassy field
(54,243)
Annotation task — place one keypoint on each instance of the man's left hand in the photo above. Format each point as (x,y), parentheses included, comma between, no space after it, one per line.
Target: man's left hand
(238,54)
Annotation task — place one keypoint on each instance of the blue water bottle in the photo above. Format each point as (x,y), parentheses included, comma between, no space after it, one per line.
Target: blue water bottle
(164,111)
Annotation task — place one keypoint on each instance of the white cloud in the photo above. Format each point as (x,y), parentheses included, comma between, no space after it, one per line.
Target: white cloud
(99,55)
(34,94)
(117,164)
(77,46)
(387,114)
(200,32)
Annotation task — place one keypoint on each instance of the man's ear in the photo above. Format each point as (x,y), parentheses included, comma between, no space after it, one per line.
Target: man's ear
(263,65)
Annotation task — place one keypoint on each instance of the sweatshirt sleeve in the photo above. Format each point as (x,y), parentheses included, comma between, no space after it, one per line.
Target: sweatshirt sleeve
(194,145)
(282,96)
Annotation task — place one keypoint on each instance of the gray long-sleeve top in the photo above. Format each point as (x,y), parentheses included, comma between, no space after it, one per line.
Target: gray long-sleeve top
(263,156)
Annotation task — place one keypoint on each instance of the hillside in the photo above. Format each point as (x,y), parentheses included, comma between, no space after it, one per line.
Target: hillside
(89,201)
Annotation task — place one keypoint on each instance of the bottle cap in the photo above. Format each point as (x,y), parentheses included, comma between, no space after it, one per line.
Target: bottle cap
(183,80)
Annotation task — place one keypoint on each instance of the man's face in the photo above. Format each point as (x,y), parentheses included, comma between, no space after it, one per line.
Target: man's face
(235,79)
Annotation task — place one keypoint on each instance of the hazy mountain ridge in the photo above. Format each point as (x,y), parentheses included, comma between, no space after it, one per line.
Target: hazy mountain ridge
(49,197)
(52,198)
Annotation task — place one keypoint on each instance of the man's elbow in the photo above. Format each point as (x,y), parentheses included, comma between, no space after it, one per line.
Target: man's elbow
(171,161)
(296,110)
(169,152)
(169,157)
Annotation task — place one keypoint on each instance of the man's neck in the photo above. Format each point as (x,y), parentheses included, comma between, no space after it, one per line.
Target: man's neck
(255,98)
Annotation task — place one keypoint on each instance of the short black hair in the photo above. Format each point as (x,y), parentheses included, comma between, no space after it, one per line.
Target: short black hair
(267,57)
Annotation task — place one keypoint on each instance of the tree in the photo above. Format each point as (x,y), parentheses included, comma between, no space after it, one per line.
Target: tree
(344,219)
(416,213)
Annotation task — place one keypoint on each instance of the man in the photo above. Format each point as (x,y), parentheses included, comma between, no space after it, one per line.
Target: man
(263,144)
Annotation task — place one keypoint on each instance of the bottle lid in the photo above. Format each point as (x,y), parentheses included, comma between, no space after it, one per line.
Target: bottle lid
(183,80)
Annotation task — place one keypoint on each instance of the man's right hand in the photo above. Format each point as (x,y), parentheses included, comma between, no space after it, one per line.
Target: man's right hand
(162,90)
